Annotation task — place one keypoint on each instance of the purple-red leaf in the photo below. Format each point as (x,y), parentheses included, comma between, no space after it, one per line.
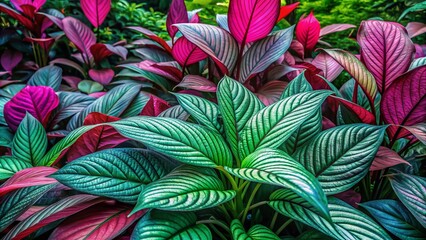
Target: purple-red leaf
(330,68)
(286,10)
(16,15)
(298,48)
(39,101)
(386,50)
(10,59)
(177,14)
(186,53)
(335,28)
(96,10)
(363,114)
(419,131)
(153,37)
(169,70)
(271,92)
(251,20)
(154,106)
(37,4)
(415,29)
(195,82)
(102,76)
(79,34)
(308,32)
(386,158)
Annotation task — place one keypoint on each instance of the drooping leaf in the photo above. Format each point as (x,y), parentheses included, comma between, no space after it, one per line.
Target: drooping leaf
(37,4)
(39,101)
(170,225)
(330,68)
(153,37)
(415,29)
(286,10)
(185,142)
(170,70)
(237,105)
(115,173)
(386,51)
(308,32)
(132,70)
(393,216)
(198,83)
(335,28)
(34,176)
(26,22)
(184,189)
(96,11)
(411,190)
(386,158)
(30,141)
(177,14)
(419,131)
(10,59)
(176,112)
(278,168)
(50,76)
(273,125)
(361,115)
(186,53)
(415,8)
(353,146)
(264,52)
(79,34)
(251,20)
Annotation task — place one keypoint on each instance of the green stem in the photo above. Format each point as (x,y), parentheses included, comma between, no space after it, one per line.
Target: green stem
(229,177)
(221,236)
(253,194)
(283,226)
(274,219)
(225,212)
(216,222)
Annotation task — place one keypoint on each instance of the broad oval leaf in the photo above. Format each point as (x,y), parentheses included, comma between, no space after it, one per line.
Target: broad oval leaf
(308,31)
(184,189)
(170,225)
(102,76)
(257,232)
(330,68)
(199,83)
(115,173)
(251,20)
(186,53)
(177,14)
(79,34)
(10,59)
(386,50)
(10,165)
(96,11)
(89,87)
(50,76)
(386,158)
(298,85)
(70,103)
(352,146)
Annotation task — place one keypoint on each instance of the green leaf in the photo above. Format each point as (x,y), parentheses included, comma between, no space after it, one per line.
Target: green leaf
(340,157)
(273,125)
(185,142)
(257,232)
(70,103)
(133,71)
(418,62)
(88,86)
(10,165)
(237,105)
(170,225)
(30,141)
(176,112)
(6,137)
(393,216)
(347,222)
(16,203)
(137,105)
(421,6)
(202,110)
(186,188)
(50,76)
(411,190)
(298,85)
(115,173)
(278,168)
(238,231)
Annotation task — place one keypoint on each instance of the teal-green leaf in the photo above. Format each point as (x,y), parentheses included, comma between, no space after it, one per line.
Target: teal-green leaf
(237,230)
(411,190)
(237,105)
(187,188)
(30,141)
(185,142)
(298,85)
(6,137)
(134,71)
(278,168)
(257,232)
(88,86)
(158,225)
(115,173)
(137,105)
(176,112)
(340,157)
(273,125)
(346,221)
(10,165)
(393,216)
(50,76)
(202,110)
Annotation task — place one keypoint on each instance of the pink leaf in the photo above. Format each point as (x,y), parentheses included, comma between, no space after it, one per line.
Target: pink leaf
(154,106)
(10,59)
(169,70)
(102,76)
(96,10)
(251,20)
(386,158)
(153,37)
(97,222)
(34,176)
(39,101)
(335,28)
(419,131)
(29,212)
(198,83)
(186,53)
(79,34)
(286,10)
(308,32)
(327,123)
(415,29)
(271,92)
(328,65)
(386,50)
(98,138)
(177,14)
(420,51)
(37,4)
(72,81)
(297,47)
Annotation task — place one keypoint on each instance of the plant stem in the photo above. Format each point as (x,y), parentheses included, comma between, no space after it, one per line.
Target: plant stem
(283,226)
(229,177)
(225,212)
(274,219)
(221,236)
(253,194)
(216,222)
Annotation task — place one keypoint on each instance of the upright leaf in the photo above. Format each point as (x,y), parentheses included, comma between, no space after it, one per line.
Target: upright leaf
(79,34)
(298,85)
(96,11)
(177,14)
(330,68)
(286,10)
(308,32)
(50,76)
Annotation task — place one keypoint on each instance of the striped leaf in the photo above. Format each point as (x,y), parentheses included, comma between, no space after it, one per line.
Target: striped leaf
(264,52)
(30,141)
(50,76)
(237,105)
(6,137)
(411,191)
(346,221)
(170,225)
(418,63)
(10,165)
(132,70)
(175,112)
(185,142)
(278,168)
(257,232)
(273,125)
(115,173)
(70,103)
(393,216)
(345,157)
(298,85)
(214,41)
(330,68)
(185,189)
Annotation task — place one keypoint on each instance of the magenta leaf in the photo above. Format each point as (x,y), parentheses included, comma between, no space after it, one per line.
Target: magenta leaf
(79,34)
(214,41)
(308,32)
(271,92)
(39,101)
(177,14)
(169,70)
(102,76)
(153,37)
(330,68)
(286,10)
(154,106)
(251,20)
(419,131)
(198,83)
(96,10)
(193,16)
(386,158)
(10,59)
(335,28)
(27,23)
(386,50)
(415,29)
(37,4)
(186,53)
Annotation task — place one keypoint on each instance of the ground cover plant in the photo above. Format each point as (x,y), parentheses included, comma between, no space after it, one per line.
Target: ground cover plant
(229,131)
